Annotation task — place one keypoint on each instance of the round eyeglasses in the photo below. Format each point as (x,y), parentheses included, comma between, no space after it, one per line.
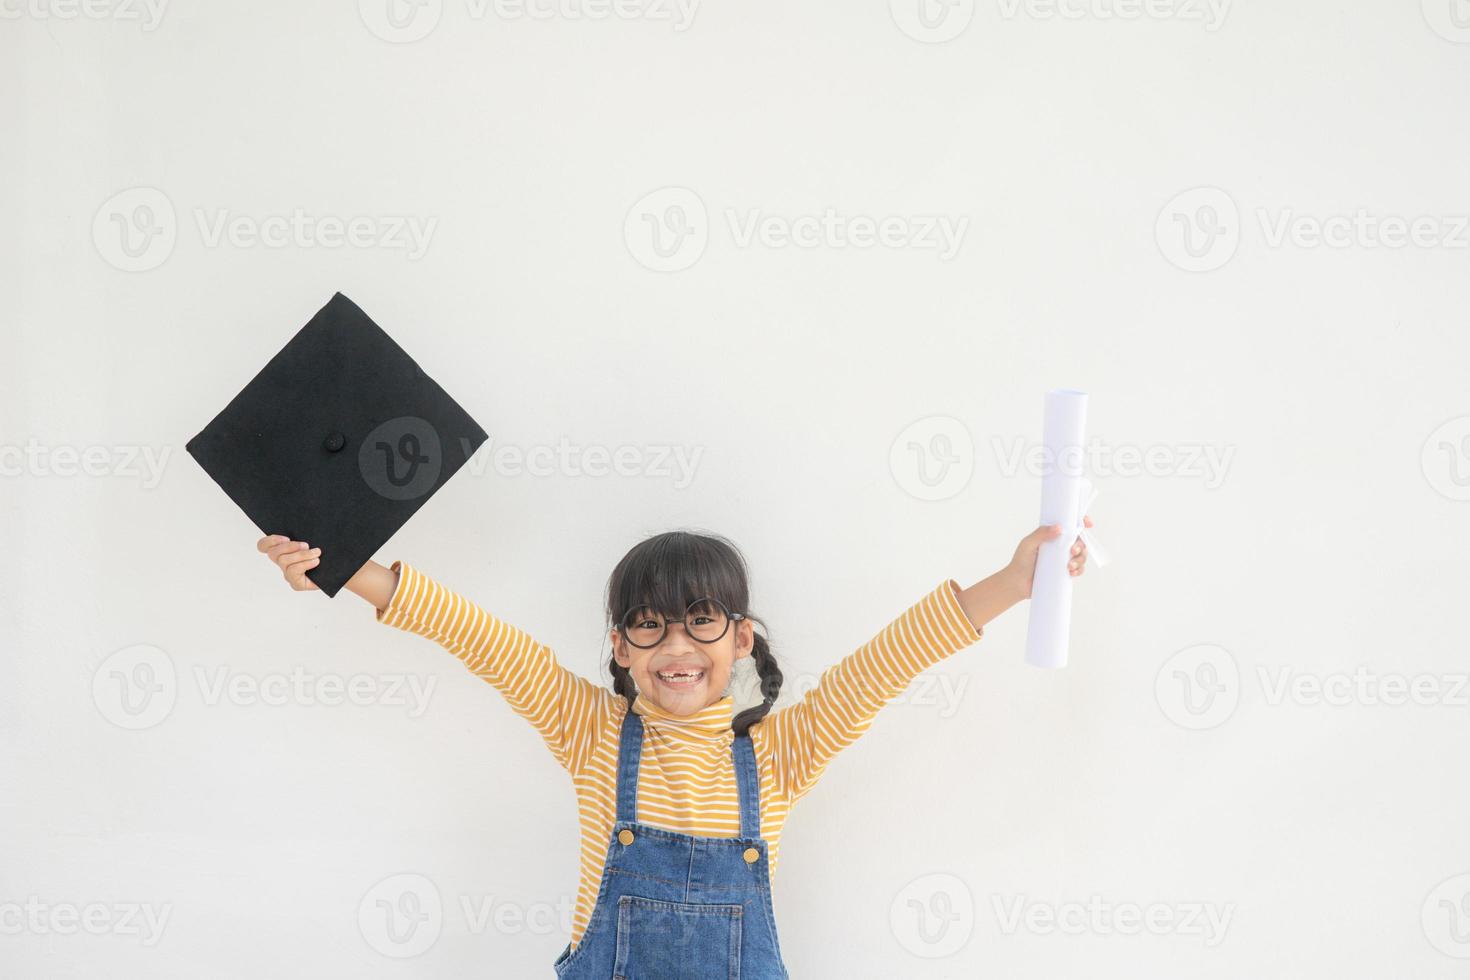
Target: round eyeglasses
(706,620)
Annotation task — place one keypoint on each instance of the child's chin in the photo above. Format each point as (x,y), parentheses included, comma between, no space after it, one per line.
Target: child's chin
(682,702)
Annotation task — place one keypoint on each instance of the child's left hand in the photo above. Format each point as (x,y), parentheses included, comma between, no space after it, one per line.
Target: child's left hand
(1023,563)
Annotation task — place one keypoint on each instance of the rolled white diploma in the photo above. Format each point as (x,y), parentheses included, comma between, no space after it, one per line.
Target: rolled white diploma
(1066,494)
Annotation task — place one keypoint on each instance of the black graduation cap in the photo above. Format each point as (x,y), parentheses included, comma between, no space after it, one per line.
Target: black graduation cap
(337,441)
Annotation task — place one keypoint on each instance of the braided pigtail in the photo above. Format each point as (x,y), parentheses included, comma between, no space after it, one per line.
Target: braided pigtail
(770,686)
(623,682)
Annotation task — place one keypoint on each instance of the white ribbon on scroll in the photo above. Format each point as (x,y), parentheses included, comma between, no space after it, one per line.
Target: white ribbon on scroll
(1066,496)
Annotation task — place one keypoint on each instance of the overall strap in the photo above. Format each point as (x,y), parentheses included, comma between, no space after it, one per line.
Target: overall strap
(747,779)
(630,747)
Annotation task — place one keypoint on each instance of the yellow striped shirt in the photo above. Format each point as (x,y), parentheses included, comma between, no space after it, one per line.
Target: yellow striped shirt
(686,778)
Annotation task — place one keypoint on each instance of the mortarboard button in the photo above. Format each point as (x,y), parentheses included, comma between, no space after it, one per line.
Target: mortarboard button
(341,373)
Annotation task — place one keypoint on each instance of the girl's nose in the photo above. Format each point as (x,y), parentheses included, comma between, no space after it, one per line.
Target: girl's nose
(670,633)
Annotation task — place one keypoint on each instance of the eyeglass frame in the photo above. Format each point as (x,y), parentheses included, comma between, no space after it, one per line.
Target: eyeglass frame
(730,617)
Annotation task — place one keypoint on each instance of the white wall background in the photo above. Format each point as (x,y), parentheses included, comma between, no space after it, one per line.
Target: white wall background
(1329,380)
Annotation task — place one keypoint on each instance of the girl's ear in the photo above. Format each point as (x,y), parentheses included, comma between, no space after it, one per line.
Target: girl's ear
(744,639)
(619,654)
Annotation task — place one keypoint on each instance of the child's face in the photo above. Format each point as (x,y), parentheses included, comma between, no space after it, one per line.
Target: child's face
(679,653)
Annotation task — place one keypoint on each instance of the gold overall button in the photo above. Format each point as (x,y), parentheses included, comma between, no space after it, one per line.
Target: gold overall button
(751,855)
(625,837)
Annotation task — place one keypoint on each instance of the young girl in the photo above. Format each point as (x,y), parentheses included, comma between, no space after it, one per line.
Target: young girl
(682,805)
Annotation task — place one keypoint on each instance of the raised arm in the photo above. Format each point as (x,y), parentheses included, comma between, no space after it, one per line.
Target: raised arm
(803,738)
(566,708)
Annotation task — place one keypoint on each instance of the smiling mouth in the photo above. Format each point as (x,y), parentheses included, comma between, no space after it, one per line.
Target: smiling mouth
(680,678)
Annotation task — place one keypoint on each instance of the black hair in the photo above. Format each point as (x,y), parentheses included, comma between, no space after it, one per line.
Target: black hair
(667,572)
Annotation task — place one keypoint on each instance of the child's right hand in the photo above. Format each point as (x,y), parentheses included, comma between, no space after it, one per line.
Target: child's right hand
(293,557)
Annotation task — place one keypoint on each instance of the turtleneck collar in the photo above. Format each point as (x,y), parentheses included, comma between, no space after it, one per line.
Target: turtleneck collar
(712,721)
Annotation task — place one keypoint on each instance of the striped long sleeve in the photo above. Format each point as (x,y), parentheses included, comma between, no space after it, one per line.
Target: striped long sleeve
(804,737)
(568,710)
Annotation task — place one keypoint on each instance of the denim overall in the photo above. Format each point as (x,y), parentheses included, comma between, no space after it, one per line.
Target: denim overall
(676,907)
